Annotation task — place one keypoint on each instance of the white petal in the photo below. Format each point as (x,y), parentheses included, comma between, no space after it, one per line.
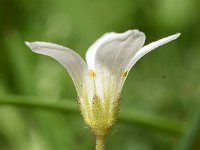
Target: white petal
(112,55)
(112,43)
(91,52)
(74,64)
(115,54)
(144,50)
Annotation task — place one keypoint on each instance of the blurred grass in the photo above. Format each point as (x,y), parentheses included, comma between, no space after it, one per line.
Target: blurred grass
(191,138)
(164,83)
(150,121)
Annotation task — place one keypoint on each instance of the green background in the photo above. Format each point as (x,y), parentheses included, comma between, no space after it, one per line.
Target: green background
(160,96)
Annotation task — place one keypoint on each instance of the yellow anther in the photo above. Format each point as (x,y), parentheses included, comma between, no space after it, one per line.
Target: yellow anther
(125,73)
(92,73)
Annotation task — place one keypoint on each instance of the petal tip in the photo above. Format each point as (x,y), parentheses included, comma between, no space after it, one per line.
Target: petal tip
(27,43)
(176,35)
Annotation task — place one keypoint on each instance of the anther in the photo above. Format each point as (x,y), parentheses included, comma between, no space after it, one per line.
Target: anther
(125,73)
(92,73)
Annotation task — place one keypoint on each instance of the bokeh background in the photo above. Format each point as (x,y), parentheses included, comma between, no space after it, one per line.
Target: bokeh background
(163,85)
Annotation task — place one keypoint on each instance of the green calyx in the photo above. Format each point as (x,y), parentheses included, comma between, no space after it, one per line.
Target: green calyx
(102,117)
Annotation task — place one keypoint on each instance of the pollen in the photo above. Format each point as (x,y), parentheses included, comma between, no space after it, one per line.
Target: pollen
(92,73)
(125,73)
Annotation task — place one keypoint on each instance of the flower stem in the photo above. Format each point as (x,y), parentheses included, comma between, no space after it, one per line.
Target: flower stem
(99,142)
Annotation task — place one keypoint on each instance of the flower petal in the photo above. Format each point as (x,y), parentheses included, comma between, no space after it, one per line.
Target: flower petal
(90,55)
(144,50)
(104,48)
(72,62)
(110,55)
(116,52)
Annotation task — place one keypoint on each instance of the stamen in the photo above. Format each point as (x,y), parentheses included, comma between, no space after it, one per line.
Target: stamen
(92,73)
(125,73)
(94,85)
(112,70)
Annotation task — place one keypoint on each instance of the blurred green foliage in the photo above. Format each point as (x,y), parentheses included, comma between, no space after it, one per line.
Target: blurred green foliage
(165,82)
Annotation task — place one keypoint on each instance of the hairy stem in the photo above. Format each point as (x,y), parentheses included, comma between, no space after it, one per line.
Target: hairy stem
(99,142)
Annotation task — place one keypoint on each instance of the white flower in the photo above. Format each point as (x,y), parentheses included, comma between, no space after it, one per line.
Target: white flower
(100,81)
